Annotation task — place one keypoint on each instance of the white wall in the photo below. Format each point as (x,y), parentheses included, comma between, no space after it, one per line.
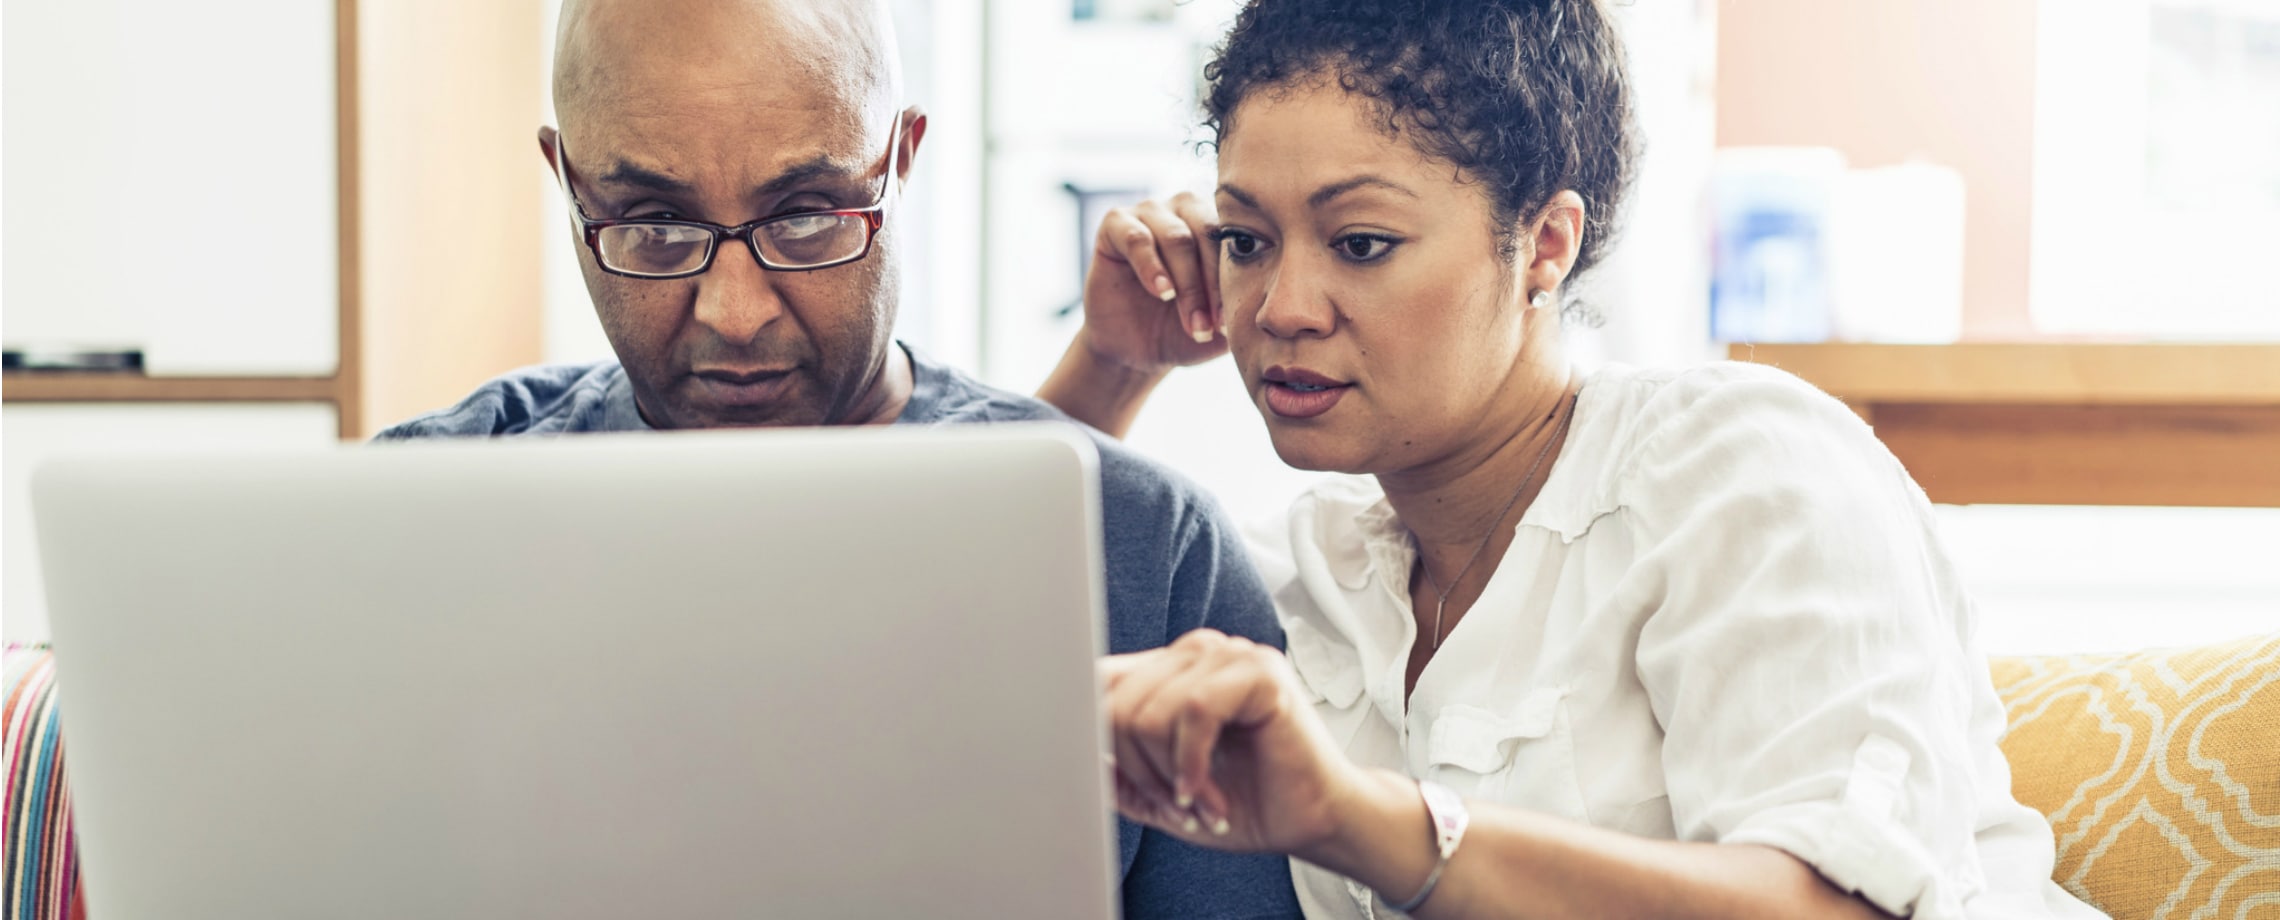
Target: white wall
(172,177)
(2076,579)
(573,333)
(1653,289)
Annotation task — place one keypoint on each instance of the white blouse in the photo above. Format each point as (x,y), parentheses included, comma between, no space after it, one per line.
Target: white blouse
(1727,617)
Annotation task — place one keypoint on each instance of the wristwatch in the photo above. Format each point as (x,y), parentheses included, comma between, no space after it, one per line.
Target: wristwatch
(1447,813)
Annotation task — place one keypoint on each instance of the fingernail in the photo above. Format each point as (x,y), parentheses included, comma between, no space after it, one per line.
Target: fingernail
(1164,288)
(1202,336)
(1181,796)
(1211,818)
(1220,828)
(1189,824)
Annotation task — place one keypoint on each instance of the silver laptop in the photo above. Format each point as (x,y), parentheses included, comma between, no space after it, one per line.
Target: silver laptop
(781,674)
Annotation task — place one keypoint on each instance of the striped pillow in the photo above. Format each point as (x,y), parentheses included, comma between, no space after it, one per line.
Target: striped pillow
(42,871)
(2160,773)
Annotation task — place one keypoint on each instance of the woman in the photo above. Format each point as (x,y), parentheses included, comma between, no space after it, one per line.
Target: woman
(1679,643)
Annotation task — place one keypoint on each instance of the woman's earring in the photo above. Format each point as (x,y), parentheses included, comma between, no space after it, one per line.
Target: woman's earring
(1541,300)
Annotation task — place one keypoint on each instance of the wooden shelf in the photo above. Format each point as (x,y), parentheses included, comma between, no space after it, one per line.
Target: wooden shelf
(2210,375)
(2063,424)
(21,386)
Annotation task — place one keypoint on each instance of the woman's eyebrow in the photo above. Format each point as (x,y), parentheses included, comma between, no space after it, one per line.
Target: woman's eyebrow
(1325,194)
(1328,193)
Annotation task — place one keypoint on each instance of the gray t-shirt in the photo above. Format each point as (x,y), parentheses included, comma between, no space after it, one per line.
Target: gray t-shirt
(1174,563)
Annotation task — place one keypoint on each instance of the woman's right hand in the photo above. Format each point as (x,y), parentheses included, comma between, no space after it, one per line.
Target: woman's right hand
(1152,294)
(1215,743)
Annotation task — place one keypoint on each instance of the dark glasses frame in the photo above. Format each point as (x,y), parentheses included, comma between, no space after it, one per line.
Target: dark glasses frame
(873,217)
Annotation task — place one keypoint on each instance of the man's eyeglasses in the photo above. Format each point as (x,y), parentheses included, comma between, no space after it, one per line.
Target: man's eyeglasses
(797,242)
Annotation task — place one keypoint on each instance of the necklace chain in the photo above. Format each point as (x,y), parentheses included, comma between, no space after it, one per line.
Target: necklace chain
(1441,595)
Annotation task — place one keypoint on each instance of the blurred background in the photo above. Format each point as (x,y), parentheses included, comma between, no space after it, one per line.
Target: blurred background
(2031,241)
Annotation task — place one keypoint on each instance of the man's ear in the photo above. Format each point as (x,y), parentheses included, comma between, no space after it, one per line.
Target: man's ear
(546,135)
(1556,238)
(913,132)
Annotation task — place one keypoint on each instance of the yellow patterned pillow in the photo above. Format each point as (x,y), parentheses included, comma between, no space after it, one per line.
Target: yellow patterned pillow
(2160,773)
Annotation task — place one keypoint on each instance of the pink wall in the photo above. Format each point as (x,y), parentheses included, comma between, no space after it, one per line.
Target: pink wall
(1944,81)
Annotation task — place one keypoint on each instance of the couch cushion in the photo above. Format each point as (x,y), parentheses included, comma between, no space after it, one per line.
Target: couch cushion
(2159,771)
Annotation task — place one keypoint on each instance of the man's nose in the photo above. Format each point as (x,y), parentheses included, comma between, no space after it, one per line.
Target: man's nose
(736,298)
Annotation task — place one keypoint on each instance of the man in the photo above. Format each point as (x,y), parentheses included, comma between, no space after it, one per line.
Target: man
(733,170)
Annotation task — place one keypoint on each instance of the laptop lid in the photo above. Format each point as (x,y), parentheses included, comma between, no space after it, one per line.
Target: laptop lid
(784,673)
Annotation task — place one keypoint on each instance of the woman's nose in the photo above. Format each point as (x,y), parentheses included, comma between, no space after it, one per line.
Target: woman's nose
(1294,307)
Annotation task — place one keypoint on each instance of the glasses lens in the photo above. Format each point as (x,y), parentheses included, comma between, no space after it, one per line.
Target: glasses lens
(653,249)
(804,240)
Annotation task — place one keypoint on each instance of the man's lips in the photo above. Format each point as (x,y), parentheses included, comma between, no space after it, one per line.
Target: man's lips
(730,375)
(742,386)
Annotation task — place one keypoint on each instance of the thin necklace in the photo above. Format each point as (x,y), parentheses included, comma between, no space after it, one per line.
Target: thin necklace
(1441,595)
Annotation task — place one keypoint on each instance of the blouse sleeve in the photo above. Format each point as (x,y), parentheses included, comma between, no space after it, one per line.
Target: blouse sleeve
(1805,650)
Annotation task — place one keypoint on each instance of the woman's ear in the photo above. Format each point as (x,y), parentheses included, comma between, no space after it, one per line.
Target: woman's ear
(1556,239)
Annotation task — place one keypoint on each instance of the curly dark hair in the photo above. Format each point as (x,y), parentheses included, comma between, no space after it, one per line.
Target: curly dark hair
(1529,97)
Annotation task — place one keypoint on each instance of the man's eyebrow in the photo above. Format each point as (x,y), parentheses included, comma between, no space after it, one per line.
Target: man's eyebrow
(819,169)
(623,173)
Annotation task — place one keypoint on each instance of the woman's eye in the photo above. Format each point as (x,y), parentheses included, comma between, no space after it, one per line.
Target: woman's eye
(1239,245)
(1362,247)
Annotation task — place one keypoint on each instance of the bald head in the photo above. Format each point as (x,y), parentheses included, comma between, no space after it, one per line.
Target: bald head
(804,54)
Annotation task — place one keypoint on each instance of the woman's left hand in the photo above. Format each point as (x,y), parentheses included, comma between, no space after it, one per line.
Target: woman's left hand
(1215,742)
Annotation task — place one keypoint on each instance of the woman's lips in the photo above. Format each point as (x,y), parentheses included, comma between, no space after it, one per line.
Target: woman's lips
(1297,403)
(1298,393)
